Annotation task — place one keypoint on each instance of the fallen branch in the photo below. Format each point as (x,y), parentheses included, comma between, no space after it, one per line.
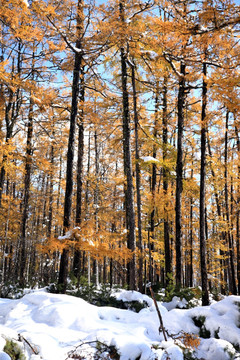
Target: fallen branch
(161,327)
(22,339)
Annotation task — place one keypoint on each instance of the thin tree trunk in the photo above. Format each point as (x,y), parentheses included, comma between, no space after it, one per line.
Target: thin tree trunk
(138,184)
(88,172)
(12,110)
(219,213)
(232,284)
(238,212)
(50,210)
(205,295)
(86,257)
(179,174)
(27,181)
(96,199)
(77,253)
(153,188)
(129,196)
(168,262)
(46,267)
(78,58)
(191,243)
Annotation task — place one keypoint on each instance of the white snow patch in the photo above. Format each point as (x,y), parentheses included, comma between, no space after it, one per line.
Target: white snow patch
(150,159)
(57,324)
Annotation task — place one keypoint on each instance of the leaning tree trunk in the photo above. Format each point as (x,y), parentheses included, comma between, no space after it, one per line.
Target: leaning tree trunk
(129,196)
(78,58)
(179,174)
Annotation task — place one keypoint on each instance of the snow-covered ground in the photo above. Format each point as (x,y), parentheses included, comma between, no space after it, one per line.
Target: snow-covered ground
(58,327)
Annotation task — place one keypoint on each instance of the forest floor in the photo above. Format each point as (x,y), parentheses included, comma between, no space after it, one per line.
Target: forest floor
(59,327)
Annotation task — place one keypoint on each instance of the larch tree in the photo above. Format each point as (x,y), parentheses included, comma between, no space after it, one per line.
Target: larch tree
(78,59)
(129,196)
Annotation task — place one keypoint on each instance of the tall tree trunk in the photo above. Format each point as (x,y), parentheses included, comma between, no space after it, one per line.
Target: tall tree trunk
(179,174)
(77,253)
(27,180)
(129,196)
(232,282)
(219,213)
(46,268)
(238,212)
(190,269)
(153,185)
(138,184)
(168,262)
(50,210)
(86,257)
(78,58)
(96,199)
(205,296)
(12,110)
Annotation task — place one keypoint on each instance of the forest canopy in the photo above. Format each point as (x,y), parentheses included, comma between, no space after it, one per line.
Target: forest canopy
(120,143)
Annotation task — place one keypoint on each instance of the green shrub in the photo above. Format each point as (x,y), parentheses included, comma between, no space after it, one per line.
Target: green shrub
(14,350)
(200,323)
(99,297)
(192,295)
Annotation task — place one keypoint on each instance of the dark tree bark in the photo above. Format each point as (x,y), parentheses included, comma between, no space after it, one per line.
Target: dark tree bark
(46,267)
(50,210)
(96,199)
(232,282)
(129,197)
(153,185)
(78,58)
(205,296)
(87,175)
(12,109)
(168,261)
(80,156)
(138,184)
(179,174)
(238,212)
(27,182)
(77,253)
(190,267)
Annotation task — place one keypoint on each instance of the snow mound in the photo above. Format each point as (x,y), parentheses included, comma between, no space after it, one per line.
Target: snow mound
(56,325)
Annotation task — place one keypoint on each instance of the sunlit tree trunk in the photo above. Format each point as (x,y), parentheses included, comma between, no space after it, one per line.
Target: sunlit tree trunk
(78,253)
(27,182)
(96,199)
(238,210)
(129,196)
(168,260)
(153,185)
(78,58)
(232,282)
(179,174)
(205,296)
(138,183)
(219,214)
(12,109)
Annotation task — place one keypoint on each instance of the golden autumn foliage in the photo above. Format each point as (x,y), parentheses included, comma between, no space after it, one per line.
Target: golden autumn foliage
(38,48)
